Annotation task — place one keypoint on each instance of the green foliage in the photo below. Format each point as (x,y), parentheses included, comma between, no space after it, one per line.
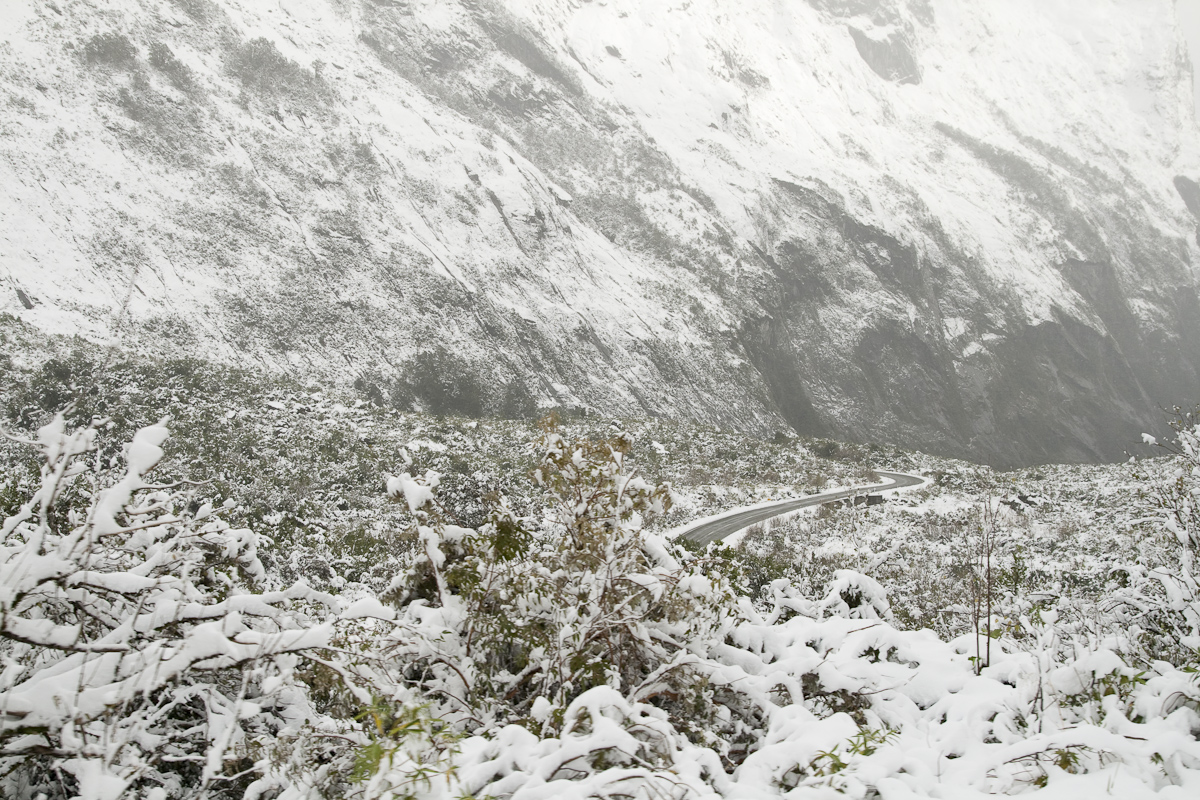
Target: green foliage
(408,749)
(829,763)
(516,401)
(98,560)
(532,594)
(270,76)
(1121,684)
(369,386)
(1171,596)
(549,608)
(300,475)
(178,73)
(53,385)
(166,128)
(442,382)
(113,50)
(439,381)
(825,448)
(304,468)
(1067,759)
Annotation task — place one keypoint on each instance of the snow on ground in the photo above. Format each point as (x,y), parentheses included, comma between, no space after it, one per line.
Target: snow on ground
(613,203)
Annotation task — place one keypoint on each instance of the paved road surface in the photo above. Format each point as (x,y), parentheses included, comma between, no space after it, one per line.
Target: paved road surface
(720,528)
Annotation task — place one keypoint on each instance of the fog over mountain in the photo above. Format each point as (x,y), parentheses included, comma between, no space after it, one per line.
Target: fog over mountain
(968,228)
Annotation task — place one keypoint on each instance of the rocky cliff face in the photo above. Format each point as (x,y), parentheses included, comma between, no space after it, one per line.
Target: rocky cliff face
(962,227)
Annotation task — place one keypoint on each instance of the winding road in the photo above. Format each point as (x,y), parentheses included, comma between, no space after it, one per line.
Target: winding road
(704,532)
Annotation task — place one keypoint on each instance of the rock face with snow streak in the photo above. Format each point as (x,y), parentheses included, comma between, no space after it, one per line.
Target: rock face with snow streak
(964,227)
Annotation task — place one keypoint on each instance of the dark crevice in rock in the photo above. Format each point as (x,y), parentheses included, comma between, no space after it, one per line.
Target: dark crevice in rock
(912,380)
(1097,283)
(1189,190)
(1063,392)
(773,356)
(504,218)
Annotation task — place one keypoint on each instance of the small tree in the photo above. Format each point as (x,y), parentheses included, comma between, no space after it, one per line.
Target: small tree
(984,536)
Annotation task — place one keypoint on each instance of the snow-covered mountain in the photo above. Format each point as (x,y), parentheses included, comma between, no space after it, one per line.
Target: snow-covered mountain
(965,227)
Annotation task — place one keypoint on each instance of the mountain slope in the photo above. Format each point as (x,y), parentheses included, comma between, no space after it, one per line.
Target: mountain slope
(965,229)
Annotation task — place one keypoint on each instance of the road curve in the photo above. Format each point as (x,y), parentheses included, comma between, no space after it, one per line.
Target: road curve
(717,529)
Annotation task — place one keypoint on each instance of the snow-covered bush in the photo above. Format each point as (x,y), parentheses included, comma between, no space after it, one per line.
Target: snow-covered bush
(138,659)
(513,621)
(1164,596)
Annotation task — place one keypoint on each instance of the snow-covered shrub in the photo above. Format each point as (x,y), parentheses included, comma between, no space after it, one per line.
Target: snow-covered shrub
(1164,593)
(400,752)
(513,621)
(609,747)
(110,50)
(138,659)
(273,77)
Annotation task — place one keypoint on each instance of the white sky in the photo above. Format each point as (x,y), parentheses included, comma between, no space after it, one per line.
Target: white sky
(1188,12)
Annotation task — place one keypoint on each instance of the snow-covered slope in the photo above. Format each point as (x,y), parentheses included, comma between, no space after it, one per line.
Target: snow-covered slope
(963,227)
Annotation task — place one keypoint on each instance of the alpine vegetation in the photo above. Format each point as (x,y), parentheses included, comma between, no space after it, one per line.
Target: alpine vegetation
(569,649)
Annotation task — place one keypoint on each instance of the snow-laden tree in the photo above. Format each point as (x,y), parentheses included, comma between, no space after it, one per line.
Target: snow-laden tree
(514,620)
(138,657)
